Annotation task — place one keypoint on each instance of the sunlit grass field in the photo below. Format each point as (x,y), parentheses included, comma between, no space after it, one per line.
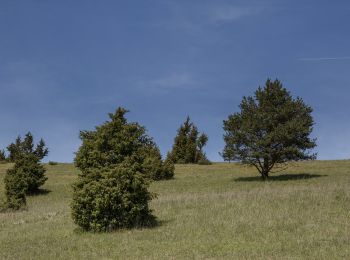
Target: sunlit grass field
(220,211)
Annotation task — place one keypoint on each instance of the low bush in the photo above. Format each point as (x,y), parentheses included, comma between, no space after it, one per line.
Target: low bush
(108,199)
(117,161)
(33,172)
(204,161)
(53,163)
(3,158)
(15,186)
(153,165)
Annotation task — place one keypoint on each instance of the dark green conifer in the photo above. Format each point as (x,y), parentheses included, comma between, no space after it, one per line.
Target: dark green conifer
(110,198)
(2,156)
(271,129)
(15,187)
(33,170)
(20,148)
(27,174)
(15,149)
(117,160)
(188,145)
(153,165)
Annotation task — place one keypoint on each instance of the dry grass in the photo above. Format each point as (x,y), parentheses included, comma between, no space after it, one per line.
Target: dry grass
(218,211)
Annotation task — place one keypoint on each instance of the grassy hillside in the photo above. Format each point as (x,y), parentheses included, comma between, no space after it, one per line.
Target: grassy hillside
(217,211)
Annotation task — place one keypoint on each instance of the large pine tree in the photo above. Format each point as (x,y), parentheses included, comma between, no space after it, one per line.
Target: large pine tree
(271,129)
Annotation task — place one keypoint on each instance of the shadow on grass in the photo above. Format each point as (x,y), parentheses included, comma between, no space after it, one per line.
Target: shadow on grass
(39,192)
(5,209)
(283,177)
(151,224)
(163,222)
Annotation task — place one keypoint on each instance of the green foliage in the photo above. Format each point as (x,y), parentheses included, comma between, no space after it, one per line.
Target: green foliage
(188,145)
(15,186)
(271,129)
(117,160)
(112,198)
(110,143)
(34,172)
(52,163)
(2,156)
(27,175)
(20,148)
(29,170)
(116,140)
(204,161)
(153,166)
(15,149)
(168,170)
(41,150)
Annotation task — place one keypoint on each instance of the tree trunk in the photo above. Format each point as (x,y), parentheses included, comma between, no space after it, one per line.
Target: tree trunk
(264,175)
(265,169)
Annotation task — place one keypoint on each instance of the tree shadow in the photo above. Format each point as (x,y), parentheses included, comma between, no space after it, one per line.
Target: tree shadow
(163,222)
(39,192)
(5,209)
(283,177)
(151,224)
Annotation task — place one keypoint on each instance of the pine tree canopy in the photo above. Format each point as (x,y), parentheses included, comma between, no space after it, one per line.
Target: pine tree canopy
(21,148)
(271,129)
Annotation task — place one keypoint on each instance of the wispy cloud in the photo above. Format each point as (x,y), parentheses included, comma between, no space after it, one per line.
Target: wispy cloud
(174,80)
(231,13)
(169,82)
(197,17)
(325,58)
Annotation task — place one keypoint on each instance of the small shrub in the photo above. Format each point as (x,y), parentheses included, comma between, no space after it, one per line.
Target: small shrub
(3,158)
(15,186)
(204,161)
(168,170)
(109,199)
(27,175)
(153,165)
(33,172)
(53,163)
(188,144)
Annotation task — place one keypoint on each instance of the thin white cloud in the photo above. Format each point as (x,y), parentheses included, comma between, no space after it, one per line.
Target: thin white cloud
(174,80)
(170,82)
(195,17)
(231,13)
(325,58)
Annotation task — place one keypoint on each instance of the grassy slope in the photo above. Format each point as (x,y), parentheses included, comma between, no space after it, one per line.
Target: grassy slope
(217,211)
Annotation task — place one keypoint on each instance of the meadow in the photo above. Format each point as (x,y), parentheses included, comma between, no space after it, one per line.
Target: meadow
(219,211)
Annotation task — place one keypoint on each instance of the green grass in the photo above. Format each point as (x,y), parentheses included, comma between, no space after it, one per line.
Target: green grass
(220,211)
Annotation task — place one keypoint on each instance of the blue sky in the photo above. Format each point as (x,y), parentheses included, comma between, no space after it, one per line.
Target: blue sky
(65,64)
